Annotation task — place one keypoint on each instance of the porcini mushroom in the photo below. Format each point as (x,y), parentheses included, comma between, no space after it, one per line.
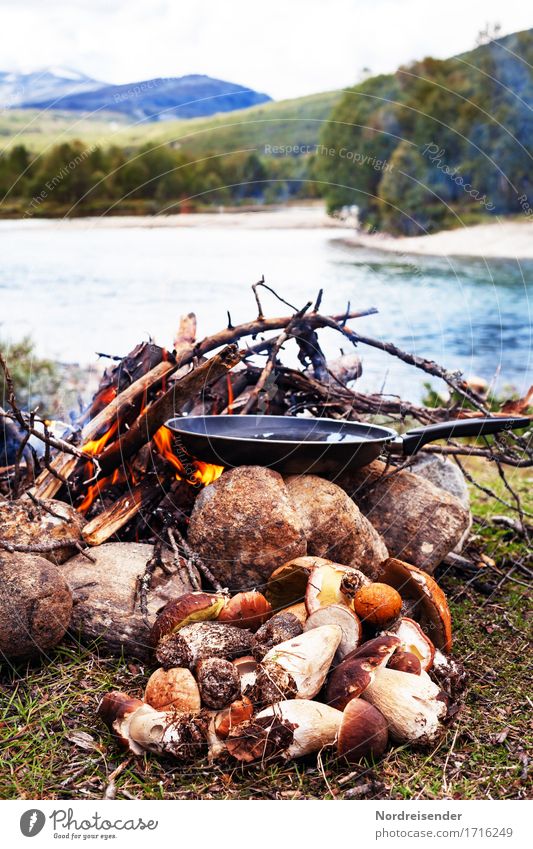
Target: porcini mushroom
(405,661)
(184,610)
(350,678)
(429,604)
(414,641)
(173,689)
(363,732)
(377,604)
(288,729)
(246,610)
(116,710)
(301,664)
(200,640)
(283,626)
(246,667)
(287,583)
(413,705)
(332,583)
(239,711)
(218,682)
(348,622)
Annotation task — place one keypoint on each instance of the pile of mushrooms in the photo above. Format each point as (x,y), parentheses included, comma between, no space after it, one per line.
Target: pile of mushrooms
(325,657)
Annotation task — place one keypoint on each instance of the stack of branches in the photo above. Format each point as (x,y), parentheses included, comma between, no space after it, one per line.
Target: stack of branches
(118,465)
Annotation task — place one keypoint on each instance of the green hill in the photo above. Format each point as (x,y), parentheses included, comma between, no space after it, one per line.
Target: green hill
(438,143)
(289,122)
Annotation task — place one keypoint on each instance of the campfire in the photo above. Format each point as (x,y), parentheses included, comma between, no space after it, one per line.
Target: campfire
(287,612)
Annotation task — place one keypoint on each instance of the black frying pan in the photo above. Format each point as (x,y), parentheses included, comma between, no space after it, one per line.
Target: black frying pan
(297,445)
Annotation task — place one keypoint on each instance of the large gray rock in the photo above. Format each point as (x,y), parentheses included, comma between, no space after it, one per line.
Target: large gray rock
(334,526)
(106,600)
(35,605)
(244,525)
(22,522)
(446,475)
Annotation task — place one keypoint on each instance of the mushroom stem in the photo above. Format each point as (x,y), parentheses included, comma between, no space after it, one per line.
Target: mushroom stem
(288,729)
(413,705)
(306,659)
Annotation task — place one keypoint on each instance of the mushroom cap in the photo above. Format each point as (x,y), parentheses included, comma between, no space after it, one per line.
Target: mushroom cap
(299,610)
(246,610)
(431,607)
(348,622)
(405,661)
(414,641)
(363,732)
(287,583)
(377,604)
(184,610)
(351,677)
(173,689)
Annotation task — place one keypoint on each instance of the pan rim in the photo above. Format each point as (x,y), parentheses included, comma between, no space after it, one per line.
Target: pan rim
(388,436)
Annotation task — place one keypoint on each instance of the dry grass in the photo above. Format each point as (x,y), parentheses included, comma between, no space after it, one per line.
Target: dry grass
(54,747)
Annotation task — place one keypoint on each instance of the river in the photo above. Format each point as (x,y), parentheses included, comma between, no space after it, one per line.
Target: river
(83,286)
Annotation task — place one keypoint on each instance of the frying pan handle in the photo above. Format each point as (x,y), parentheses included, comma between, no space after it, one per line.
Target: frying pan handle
(413,440)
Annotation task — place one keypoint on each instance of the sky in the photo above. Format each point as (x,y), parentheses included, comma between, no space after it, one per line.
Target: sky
(286,48)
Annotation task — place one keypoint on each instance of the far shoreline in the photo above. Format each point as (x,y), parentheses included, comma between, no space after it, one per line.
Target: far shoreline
(500,239)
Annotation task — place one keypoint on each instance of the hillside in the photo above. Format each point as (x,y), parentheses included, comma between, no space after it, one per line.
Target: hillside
(438,143)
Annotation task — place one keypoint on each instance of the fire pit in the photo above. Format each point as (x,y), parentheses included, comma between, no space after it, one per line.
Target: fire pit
(235,525)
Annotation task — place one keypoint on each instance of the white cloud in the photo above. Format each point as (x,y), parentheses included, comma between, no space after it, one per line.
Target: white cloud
(285,48)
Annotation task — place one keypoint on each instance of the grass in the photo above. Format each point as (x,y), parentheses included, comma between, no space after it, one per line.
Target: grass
(53,746)
(287,122)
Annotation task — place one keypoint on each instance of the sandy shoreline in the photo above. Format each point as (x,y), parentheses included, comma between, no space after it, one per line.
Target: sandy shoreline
(500,240)
(505,240)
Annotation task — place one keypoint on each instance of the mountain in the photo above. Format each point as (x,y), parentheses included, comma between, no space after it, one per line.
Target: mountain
(47,84)
(163,98)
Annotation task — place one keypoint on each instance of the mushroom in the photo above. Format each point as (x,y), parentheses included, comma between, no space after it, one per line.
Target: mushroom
(247,670)
(218,682)
(299,610)
(363,732)
(298,666)
(414,641)
(227,719)
(287,583)
(332,583)
(184,610)
(413,705)
(348,622)
(283,626)
(246,610)
(429,602)
(140,728)
(203,639)
(405,661)
(173,688)
(116,710)
(377,604)
(351,677)
(288,729)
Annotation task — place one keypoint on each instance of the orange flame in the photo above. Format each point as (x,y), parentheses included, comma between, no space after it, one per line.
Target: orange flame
(205,473)
(230,395)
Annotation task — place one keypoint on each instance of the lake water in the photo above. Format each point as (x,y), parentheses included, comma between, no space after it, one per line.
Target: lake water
(77,288)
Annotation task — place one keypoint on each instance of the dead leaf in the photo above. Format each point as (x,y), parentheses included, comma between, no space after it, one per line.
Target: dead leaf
(82,740)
